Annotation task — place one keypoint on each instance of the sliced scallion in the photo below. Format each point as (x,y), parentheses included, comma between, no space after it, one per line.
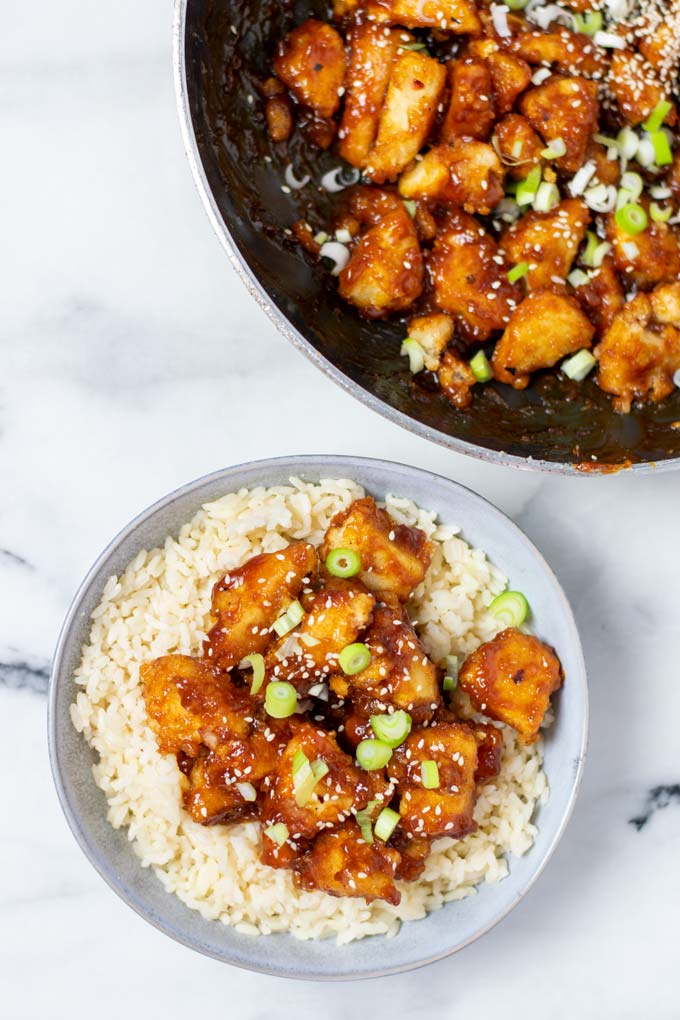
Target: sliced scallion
(354,658)
(412,350)
(306,777)
(547,197)
(290,619)
(386,823)
(278,833)
(343,562)
(481,369)
(577,278)
(280,699)
(631,218)
(516,5)
(517,272)
(256,663)
(365,821)
(429,774)
(657,116)
(526,189)
(373,754)
(510,608)
(555,149)
(450,681)
(579,365)
(663,155)
(630,181)
(588,23)
(410,207)
(659,214)
(392,728)
(627,142)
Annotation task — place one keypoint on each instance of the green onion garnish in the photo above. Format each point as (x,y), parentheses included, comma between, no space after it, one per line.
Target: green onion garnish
(365,821)
(657,116)
(256,662)
(413,46)
(290,619)
(280,699)
(627,142)
(411,349)
(547,197)
(278,833)
(510,608)
(588,23)
(632,218)
(516,5)
(555,150)
(663,155)
(526,189)
(579,365)
(517,272)
(305,777)
(354,658)
(591,245)
(450,681)
(343,563)
(393,728)
(630,181)
(386,823)
(658,214)
(481,369)
(373,754)
(410,207)
(429,773)
(577,278)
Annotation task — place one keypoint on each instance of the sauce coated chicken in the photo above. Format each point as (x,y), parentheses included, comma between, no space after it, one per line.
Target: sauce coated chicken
(316,710)
(524,171)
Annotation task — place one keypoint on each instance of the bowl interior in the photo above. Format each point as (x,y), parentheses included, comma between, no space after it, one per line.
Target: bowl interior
(225,49)
(443,931)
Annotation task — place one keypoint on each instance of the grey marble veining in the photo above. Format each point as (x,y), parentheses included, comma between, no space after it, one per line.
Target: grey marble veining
(133,360)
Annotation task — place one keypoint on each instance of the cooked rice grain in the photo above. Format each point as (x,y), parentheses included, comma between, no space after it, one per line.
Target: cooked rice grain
(161,604)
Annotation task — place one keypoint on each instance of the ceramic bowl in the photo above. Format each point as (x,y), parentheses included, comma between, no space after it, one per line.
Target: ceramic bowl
(419,942)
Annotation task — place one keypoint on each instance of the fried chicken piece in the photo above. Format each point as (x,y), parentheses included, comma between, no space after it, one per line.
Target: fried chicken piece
(394,557)
(602,297)
(311,62)
(457,16)
(342,864)
(652,256)
(456,380)
(547,241)
(511,679)
(545,328)
(470,277)
(489,751)
(248,600)
(415,86)
(335,616)
(413,850)
(188,704)
(345,789)
(510,76)
(471,108)
(433,332)
(372,53)
(570,52)
(464,172)
(447,809)
(519,146)
(385,271)
(565,108)
(224,780)
(399,673)
(635,87)
(640,351)
(369,205)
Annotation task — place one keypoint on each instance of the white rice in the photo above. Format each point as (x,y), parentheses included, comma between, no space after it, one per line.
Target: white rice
(160,605)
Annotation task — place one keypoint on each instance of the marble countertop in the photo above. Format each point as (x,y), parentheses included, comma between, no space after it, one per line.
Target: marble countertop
(134,360)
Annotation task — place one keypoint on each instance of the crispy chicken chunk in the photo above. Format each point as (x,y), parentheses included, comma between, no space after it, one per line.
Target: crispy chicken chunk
(602,297)
(519,146)
(446,810)
(413,850)
(433,332)
(459,16)
(548,241)
(345,789)
(311,62)
(335,616)
(394,557)
(640,351)
(635,87)
(545,328)
(188,704)
(471,109)
(652,256)
(470,277)
(510,75)
(407,115)
(372,53)
(247,601)
(342,864)
(511,679)
(465,173)
(565,108)
(399,673)
(489,751)
(456,379)
(570,52)
(385,271)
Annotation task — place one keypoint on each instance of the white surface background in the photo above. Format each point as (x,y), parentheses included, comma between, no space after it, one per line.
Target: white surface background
(133,360)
